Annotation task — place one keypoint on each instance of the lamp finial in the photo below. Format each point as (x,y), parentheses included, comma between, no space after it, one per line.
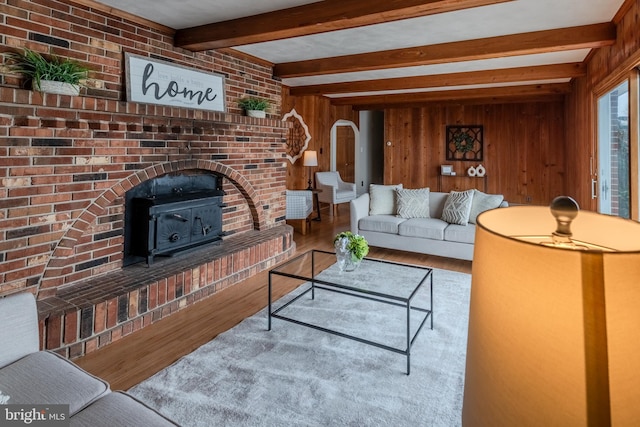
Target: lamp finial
(564,209)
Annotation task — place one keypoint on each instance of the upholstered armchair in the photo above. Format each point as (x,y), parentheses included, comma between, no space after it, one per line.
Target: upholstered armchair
(334,189)
(299,207)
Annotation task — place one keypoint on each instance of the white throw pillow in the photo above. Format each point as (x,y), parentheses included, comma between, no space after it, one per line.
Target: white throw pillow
(413,203)
(382,199)
(483,202)
(457,207)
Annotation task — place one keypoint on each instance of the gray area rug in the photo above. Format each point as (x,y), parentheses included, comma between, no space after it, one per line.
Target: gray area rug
(297,376)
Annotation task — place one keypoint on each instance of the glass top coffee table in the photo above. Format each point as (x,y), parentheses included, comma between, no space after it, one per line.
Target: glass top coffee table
(395,285)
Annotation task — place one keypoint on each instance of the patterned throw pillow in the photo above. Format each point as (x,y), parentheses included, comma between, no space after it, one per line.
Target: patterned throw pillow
(457,207)
(382,199)
(413,203)
(483,202)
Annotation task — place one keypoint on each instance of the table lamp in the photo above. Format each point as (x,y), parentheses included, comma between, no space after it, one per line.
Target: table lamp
(310,159)
(554,319)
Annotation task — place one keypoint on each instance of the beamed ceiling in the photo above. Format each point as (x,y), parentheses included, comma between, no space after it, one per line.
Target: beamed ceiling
(371,53)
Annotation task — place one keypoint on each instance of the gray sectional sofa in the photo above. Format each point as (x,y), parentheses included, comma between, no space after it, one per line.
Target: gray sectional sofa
(422,228)
(29,376)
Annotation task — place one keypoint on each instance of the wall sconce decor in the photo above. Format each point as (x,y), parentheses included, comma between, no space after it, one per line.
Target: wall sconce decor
(464,143)
(299,136)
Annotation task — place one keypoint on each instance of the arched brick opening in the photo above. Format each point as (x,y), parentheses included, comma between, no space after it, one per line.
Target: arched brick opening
(58,264)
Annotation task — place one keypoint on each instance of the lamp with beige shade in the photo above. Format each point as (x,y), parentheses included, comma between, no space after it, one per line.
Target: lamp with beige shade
(554,318)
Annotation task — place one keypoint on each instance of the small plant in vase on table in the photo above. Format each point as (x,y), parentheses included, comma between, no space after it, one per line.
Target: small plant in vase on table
(350,250)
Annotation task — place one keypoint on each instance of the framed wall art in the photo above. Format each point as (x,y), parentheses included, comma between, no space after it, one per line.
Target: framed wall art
(151,81)
(446,169)
(464,143)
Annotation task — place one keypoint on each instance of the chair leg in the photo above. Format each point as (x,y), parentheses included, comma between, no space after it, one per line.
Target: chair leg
(303,227)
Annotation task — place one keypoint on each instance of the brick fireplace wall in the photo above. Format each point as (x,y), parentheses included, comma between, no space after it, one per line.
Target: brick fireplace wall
(68,170)
(67,162)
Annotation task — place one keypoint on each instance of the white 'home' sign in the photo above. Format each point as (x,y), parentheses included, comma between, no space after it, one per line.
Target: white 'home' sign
(151,81)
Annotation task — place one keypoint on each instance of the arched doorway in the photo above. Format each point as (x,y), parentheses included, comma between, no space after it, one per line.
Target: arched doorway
(345,146)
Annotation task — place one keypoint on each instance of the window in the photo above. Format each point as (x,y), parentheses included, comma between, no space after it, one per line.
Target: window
(614,182)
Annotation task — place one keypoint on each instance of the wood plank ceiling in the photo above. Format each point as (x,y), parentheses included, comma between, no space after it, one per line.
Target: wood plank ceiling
(376,53)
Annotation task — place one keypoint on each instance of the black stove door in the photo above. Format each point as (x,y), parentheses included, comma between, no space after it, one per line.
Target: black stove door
(173,229)
(206,222)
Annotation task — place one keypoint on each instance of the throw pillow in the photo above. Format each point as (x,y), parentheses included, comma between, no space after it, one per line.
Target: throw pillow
(413,203)
(483,202)
(457,207)
(382,199)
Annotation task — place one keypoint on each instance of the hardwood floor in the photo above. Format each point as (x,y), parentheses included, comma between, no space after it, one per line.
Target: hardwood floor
(138,356)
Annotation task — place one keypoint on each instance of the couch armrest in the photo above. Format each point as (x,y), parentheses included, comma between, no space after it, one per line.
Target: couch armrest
(302,194)
(19,335)
(327,193)
(299,204)
(359,209)
(348,186)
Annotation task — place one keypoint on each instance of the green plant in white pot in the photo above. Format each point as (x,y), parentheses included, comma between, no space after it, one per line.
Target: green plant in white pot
(254,107)
(50,74)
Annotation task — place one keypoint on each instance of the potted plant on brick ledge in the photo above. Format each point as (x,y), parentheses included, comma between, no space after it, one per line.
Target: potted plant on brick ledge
(254,107)
(50,74)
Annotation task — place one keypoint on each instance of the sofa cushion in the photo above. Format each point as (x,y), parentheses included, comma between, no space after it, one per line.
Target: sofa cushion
(382,199)
(458,207)
(19,320)
(427,228)
(483,202)
(46,378)
(436,203)
(460,233)
(413,203)
(118,409)
(380,223)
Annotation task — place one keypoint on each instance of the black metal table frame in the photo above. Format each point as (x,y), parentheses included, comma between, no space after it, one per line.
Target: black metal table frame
(358,293)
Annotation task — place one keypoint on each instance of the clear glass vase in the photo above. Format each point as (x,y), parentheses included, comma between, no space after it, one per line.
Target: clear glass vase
(345,259)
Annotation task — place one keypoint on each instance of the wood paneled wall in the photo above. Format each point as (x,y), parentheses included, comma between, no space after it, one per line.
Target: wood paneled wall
(319,115)
(523,144)
(606,68)
(580,140)
(524,152)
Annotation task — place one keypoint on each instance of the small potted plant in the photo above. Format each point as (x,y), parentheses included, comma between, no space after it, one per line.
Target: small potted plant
(50,74)
(350,250)
(255,107)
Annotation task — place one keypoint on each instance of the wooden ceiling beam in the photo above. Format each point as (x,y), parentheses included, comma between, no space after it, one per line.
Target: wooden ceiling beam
(525,99)
(313,18)
(523,91)
(586,36)
(505,75)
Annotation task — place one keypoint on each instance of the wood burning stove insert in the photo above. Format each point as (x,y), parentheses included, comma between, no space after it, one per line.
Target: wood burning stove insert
(172,214)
